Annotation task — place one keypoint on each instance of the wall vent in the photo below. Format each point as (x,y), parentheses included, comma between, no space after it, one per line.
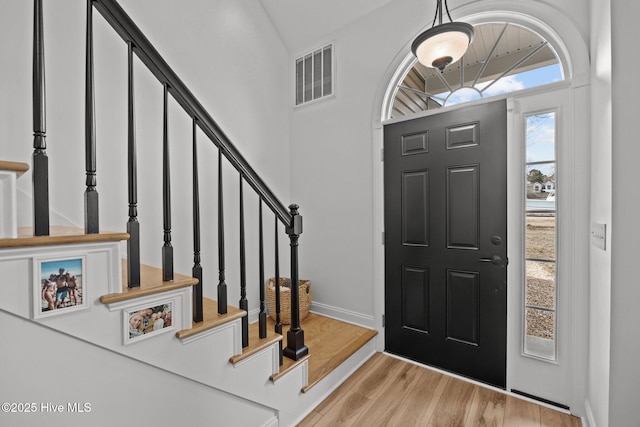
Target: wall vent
(314,75)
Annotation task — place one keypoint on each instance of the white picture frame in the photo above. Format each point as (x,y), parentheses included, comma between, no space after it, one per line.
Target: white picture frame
(141,322)
(59,285)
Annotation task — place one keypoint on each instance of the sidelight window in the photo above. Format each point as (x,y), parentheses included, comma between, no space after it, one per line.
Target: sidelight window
(540,236)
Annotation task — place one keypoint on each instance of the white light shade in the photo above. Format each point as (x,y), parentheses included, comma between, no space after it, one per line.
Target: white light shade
(442,45)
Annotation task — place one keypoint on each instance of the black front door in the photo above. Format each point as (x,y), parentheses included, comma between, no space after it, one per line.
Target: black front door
(445,240)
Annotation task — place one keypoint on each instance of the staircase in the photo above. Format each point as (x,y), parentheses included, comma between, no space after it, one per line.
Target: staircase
(249,386)
(143,325)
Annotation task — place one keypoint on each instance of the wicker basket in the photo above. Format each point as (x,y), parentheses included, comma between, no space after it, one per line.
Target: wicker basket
(304,298)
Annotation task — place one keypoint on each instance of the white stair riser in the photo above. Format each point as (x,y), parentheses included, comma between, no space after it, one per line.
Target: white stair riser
(8,205)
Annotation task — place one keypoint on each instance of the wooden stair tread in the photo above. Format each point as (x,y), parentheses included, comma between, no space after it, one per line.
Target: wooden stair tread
(211,318)
(330,343)
(17,167)
(330,350)
(256,343)
(151,283)
(60,235)
(287,365)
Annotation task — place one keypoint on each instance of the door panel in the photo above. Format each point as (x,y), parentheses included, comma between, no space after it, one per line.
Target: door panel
(463,200)
(462,306)
(415,297)
(445,246)
(415,208)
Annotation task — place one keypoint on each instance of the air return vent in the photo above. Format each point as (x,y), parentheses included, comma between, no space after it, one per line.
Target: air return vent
(314,75)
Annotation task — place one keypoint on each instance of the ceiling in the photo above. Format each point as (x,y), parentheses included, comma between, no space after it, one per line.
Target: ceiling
(303,22)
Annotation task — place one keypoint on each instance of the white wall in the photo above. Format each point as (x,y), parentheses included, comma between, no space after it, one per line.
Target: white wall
(228,54)
(44,367)
(601,189)
(625,292)
(16,136)
(331,161)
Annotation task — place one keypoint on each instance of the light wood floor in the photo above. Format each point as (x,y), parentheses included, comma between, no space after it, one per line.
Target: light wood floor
(387,391)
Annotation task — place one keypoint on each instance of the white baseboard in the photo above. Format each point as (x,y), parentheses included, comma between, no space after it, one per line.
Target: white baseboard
(253,315)
(359,319)
(589,421)
(273,422)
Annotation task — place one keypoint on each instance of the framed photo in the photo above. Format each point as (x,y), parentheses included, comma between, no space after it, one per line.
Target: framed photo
(146,321)
(59,286)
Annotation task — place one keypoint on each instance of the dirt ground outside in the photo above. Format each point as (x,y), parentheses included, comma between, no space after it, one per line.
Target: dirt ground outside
(540,284)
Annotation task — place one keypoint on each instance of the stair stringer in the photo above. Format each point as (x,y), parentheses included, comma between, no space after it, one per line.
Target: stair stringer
(97,387)
(203,358)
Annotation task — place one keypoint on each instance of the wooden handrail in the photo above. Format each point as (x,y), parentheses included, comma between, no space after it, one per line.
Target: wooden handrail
(129,31)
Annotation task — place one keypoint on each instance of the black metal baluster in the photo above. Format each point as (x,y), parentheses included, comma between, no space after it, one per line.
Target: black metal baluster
(133,226)
(278,325)
(222,286)
(91,220)
(167,249)
(40,159)
(262,317)
(295,335)
(197,268)
(244,304)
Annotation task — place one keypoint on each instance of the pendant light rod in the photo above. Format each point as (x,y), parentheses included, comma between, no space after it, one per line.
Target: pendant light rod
(433,24)
(446,6)
(439,13)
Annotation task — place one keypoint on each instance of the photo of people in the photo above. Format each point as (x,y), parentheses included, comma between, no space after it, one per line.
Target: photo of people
(60,286)
(142,322)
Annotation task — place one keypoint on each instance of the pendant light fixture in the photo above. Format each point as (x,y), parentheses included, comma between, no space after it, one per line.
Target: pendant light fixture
(442,44)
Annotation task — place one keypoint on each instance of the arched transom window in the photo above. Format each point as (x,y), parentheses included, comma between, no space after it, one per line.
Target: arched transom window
(502,58)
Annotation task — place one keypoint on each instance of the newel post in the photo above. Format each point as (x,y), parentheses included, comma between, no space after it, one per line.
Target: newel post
(295,335)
